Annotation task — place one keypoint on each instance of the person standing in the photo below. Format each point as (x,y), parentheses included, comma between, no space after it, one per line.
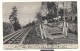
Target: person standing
(65,28)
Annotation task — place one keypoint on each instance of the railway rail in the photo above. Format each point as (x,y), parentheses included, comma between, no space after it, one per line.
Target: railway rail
(17,37)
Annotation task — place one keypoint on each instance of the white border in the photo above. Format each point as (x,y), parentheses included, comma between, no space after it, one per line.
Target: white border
(1,30)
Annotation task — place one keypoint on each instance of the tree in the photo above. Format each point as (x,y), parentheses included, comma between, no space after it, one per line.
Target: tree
(13,19)
(74,7)
(74,11)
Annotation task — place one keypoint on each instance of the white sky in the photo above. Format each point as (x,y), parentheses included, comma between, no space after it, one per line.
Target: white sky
(26,11)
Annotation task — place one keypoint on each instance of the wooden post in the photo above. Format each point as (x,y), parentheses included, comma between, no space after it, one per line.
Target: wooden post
(64,23)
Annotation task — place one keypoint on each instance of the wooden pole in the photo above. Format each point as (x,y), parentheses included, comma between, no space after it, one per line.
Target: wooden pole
(64,19)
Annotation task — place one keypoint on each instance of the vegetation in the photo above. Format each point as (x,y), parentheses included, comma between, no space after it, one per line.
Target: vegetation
(7,28)
(29,24)
(13,19)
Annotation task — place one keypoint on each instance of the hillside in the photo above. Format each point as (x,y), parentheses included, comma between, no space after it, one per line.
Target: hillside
(7,28)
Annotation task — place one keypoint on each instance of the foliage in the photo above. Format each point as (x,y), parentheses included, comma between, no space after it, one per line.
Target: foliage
(7,28)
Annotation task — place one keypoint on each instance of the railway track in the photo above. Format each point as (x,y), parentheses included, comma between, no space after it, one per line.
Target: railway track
(16,37)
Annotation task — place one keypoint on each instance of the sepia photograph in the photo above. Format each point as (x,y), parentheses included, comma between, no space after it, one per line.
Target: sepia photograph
(40,24)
